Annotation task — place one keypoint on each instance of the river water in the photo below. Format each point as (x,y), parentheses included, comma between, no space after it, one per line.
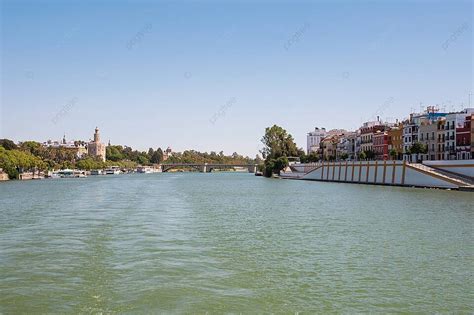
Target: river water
(232,242)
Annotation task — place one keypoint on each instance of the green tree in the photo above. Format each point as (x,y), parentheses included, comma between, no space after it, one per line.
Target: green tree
(150,153)
(418,148)
(278,146)
(362,156)
(142,159)
(8,144)
(370,155)
(157,157)
(14,162)
(277,142)
(393,154)
(114,153)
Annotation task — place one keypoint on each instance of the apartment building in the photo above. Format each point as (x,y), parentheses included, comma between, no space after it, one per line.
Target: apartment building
(313,139)
(395,140)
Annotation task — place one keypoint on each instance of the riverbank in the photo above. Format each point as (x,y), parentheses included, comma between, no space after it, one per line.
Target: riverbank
(442,174)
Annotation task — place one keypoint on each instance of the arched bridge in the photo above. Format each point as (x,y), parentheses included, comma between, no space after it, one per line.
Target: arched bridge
(208,167)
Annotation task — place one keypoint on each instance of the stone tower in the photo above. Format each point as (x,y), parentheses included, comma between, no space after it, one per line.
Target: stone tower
(96,135)
(95,147)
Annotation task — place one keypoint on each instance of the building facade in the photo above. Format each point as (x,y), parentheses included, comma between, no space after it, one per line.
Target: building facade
(366,135)
(395,141)
(463,140)
(427,135)
(78,147)
(328,147)
(430,135)
(313,139)
(472,136)
(380,145)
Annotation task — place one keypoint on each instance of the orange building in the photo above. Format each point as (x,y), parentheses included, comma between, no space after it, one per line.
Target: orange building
(395,140)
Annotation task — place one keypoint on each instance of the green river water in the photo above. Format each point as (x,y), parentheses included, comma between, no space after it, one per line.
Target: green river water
(232,243)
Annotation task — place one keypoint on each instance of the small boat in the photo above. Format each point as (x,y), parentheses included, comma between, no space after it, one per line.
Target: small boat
(144,169)
(114,170)
(68,173)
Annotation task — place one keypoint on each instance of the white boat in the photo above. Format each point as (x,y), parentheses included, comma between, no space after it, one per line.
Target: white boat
(114,170)
(145,169)
(68,173)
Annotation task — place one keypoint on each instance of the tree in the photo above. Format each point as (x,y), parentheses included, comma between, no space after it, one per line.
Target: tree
(8,144)
(280,164)
(143,159)
(278,146)
(90,163)
(362,156)
(157,157)
(418,148)
(114,153)
(16,161)
(370,155)
(150,153)
(277,142)
(393,153)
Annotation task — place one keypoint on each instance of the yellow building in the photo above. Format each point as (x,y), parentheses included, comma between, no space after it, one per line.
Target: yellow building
(395,140)
(95,147)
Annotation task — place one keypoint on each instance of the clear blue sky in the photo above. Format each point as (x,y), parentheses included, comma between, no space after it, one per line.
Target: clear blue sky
(212,75)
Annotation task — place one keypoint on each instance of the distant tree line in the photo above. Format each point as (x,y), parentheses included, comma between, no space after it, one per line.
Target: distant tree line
(31,155)
(191,156)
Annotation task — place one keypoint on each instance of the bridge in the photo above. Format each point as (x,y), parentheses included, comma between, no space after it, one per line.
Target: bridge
(208,167)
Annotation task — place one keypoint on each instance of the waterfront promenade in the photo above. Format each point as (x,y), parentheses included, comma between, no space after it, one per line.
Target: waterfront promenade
(442,174)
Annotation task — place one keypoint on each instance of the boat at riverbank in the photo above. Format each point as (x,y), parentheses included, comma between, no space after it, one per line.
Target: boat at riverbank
(114,170)
(68,173)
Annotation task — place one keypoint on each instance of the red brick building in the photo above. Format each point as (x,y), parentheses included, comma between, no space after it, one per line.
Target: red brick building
(463,140)
(380,145)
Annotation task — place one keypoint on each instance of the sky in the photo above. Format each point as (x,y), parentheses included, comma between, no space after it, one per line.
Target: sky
(211,76)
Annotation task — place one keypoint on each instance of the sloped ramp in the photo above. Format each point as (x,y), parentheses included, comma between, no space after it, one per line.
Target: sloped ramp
(391,173)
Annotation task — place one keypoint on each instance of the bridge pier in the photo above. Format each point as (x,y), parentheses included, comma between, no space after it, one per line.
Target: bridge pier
(252,168)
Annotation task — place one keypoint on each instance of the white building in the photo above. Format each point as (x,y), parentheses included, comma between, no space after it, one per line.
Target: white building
(410,135)
(453,121)
(313,139)
(78,146)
